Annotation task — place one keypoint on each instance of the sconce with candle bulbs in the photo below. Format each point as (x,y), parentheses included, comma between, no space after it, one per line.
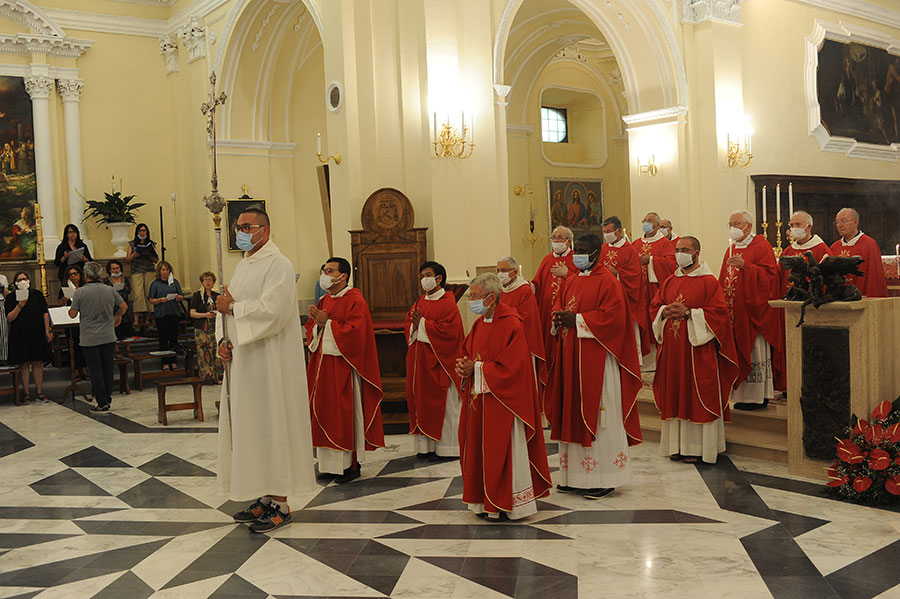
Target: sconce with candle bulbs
(648,168)
(519,190)
(740,151)
(336,156)
(449,142)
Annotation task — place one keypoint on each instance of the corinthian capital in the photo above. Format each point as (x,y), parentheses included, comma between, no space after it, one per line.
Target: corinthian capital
(69,89)
(38,86)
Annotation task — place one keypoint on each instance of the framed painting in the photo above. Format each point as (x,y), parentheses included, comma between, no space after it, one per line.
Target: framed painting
(233,209)
(576,203)
(858,90)
(18,185)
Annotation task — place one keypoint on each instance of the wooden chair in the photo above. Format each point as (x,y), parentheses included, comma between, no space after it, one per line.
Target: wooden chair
(13,371)
(196,405)
(122,362)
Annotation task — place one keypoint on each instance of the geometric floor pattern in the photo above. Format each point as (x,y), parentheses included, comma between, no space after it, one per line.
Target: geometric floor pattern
(99,507)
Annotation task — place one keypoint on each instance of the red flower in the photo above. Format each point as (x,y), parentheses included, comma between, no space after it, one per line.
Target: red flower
(881,412)
(897,460)
(892,485)
(893,432)
(849,452)
(839,482)
(879,459)
(861,426)
(861,483)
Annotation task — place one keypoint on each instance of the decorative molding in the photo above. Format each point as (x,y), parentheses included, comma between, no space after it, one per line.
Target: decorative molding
(247,147)
(673,114)
(38,86)
(164,3)
(698,11)
(501,92)
(168,47)
(90,21)
(69,89)
(847,146)
(32,17)
(519,130)
(262,27)
(619,15)
(193,37)
(23,43)
(858,8)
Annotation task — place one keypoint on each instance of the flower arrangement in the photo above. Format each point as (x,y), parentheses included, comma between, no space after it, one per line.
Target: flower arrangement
(867,467)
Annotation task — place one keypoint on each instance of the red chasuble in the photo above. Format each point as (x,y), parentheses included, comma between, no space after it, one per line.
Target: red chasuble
(872,283)
(694,382)
(819,251)
(430,367)
(747,295)
(663,253)
(523,300)
(329,380)
(546,290)
(625,260)
(485,426)
(575,387)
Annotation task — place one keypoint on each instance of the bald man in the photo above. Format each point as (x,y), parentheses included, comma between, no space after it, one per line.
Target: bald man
(854,242)
(803,241)
(657,257)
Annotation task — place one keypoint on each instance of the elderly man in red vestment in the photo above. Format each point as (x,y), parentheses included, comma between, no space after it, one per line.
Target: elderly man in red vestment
(665,226)
(503,457)
(548,280)
(657,256)
(750,278)
(697,362)
(803,241)
(517,293)
(594,379)
(620,257)
(434,332)
(343,376)
(854,242)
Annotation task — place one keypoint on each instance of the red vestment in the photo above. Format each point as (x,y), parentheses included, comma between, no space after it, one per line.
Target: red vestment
(329,377)
(430,367)
(523,300)
(628,268)
(872,283)
(694,382)
(747,294)
(485,427)
(663,253)
(546,290)
(574,390)
(819,251)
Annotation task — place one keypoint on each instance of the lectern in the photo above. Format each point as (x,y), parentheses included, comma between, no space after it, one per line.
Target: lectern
(842,361)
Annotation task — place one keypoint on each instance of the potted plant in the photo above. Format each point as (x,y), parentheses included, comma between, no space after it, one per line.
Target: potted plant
(117,213)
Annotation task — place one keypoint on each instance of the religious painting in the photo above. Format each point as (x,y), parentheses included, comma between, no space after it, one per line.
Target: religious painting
(576,203)
(18,185)
(233,209)
(858,89)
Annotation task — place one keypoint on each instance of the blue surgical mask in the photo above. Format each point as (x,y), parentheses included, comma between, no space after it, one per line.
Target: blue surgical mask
(582,261)
(647,227)
(478,307)
(244,241)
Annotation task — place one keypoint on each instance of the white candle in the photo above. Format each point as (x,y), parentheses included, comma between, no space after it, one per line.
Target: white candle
(791,199)
(730,247)
(435,127)
(778,203)
(764,217)
(472,130)
(319,143)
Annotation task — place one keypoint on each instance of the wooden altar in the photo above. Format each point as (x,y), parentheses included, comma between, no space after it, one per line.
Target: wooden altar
(842,361)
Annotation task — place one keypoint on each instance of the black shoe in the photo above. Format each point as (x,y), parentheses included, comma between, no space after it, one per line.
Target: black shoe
(104,409)
(326,476)
(272,519)
(441,458)
(253,513)
(425,455)
(349,474)
(749,407)
(564,488)
(596,493)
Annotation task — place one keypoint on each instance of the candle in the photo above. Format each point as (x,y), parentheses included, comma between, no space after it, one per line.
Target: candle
(791,199)
(472,130)
(764,217)
(318,143)
(435,127)
(730,247)
(778,203)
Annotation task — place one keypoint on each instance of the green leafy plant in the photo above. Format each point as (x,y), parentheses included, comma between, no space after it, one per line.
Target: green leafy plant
(113,209)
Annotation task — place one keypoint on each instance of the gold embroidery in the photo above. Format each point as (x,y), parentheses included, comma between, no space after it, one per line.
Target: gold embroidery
(645,251)
(570,307)
(845,253)
(730,289)
(556,282)
(611,258)
(676,323)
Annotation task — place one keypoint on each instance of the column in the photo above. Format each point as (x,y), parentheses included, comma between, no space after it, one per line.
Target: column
(70,92)
(39,88)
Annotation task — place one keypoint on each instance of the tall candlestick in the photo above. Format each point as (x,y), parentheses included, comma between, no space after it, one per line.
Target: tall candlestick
(319,143)
(790,199)
(764,217)
(778,202)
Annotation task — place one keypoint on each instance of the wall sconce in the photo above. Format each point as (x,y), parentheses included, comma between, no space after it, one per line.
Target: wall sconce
(518,190)
(740,152)
(649,168)
(450,144)
(336,156)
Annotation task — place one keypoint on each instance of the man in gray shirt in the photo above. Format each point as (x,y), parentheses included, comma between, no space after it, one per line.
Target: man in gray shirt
(101,310)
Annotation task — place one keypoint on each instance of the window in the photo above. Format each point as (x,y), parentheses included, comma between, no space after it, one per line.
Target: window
(553,125)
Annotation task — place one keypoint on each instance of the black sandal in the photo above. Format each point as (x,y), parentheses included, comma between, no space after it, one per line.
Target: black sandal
(42,397)
(26,399)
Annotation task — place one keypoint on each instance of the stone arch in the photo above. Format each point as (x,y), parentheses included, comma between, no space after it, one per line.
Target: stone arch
(30,16)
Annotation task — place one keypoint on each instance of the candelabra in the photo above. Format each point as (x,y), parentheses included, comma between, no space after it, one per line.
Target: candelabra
(739,152)
(778,239)
(39,232)
(531,237)
(449,144)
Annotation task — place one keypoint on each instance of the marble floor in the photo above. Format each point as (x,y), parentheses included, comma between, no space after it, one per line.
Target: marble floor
(118,507)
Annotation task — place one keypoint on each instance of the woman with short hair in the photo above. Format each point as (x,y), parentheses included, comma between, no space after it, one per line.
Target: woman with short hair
(165,295)
(203,311)
(122,285)
(29,334)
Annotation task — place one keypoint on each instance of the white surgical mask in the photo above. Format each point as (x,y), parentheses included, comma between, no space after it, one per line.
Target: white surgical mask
(325,282)
(797,233)
(647,228)
(23,284)
(665,231)
(504,278)
(684,260)
(735,234)
(428,283)
(558,246)
(609,237)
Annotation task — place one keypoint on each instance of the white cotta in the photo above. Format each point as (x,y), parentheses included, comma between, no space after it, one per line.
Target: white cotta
(268,448)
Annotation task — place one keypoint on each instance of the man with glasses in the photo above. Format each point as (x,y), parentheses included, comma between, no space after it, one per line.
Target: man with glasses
(549,278)
(854,242)
(265,449)
(621,259)
(657,256)
(802,241)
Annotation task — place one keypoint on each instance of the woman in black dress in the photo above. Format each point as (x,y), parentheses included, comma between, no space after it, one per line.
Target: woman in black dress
(75,276)
(29,334)
(71,242)
(122,285)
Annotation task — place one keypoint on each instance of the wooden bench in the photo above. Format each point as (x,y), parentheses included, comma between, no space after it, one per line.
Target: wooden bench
(122,362)
(140,376)
(196,405)
(13,371)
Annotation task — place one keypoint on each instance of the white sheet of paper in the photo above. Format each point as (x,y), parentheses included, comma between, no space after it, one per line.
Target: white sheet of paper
(75,256)
(21,294)
(171,296)
(68,292)
(60,315)
(118,286)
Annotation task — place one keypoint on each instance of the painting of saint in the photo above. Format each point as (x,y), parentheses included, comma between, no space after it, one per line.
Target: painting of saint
(18,185)
(575,203)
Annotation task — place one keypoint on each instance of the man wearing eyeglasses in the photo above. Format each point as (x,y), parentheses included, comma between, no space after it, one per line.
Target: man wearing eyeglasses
(549,279)
(854,242)
(265,446)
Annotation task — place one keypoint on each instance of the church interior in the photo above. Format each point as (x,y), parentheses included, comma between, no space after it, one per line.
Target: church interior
(391,132)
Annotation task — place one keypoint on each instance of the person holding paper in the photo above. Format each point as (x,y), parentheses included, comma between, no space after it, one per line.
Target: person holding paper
(71,250)
(29,334)
(100,310)
(122,285)
(203,312)
(165,295)
(142,256)
(75,278)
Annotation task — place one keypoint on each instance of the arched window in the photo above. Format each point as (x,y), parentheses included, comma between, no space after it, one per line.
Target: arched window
(553,125)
